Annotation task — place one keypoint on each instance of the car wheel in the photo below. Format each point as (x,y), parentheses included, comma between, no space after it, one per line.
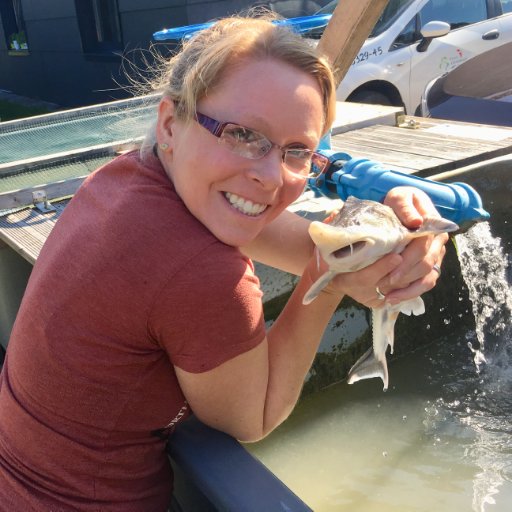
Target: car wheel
(371,97)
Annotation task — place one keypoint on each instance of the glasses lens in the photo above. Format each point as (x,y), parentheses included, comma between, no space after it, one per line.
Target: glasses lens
(245,142)
(318,163)
(298,159)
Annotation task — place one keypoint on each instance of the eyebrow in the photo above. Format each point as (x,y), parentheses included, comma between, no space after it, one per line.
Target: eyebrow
(215,127)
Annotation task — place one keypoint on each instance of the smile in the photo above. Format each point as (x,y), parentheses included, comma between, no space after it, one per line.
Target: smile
(244,205)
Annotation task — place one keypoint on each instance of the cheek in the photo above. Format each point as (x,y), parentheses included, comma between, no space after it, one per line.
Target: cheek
(292,190)
(295,187)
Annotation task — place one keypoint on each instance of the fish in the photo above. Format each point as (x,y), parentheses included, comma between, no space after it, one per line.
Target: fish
(360,233)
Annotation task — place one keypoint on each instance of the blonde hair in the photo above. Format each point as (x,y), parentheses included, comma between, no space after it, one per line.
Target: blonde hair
(203,60)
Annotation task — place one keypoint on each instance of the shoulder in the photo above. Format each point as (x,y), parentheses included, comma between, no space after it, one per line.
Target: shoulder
(210,311)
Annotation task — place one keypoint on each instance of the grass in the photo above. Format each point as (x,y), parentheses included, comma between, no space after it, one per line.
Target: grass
(10,110)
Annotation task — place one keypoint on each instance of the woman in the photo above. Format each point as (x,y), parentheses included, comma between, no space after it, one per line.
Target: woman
(143,305)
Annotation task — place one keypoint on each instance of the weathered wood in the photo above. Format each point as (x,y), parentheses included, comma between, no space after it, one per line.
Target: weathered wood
(27,230)
(423,151)
(23,197)
(350,25)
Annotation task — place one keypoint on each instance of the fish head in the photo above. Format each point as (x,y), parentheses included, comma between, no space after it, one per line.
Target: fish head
(360,233)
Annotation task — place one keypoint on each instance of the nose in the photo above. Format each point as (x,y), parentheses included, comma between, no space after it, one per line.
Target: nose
(269,171)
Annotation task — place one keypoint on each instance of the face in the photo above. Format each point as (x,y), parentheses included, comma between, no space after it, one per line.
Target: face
(233,196)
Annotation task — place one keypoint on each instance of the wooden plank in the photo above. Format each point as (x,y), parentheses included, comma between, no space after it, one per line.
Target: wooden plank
(416,144)
(26,231)
(350,25)
(419,150)
(399,160)
(353,116)
(23,197)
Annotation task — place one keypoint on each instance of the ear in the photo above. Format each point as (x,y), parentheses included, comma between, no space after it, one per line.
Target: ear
(165,120)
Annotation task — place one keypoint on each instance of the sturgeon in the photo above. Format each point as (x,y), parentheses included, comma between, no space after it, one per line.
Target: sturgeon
(358,235)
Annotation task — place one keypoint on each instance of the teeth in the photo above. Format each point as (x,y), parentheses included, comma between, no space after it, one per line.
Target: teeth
(244,205)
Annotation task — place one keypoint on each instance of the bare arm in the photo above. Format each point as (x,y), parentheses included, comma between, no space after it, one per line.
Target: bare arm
(284,244)
(249,395)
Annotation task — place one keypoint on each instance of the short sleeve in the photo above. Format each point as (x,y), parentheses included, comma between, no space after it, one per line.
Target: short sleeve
(210,311)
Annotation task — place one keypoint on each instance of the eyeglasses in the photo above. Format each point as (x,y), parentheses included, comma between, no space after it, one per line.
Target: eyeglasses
(253,145)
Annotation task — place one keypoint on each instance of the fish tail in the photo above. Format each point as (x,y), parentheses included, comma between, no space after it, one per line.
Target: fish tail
(368,366)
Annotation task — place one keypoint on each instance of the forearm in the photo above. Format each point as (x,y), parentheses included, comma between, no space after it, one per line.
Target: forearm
(293,342)
(284,244)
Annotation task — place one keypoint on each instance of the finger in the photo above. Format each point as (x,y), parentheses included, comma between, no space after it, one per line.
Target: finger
(418,259)
(419,286)
(415,289)
(361,285)
(407,205)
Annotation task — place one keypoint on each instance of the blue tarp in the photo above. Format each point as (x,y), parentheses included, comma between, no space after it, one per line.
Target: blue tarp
(301,24)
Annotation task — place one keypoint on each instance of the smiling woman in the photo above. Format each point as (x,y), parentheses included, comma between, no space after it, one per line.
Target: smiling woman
(155,310)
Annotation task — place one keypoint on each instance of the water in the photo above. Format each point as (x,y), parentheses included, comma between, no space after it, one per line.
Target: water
(439,439)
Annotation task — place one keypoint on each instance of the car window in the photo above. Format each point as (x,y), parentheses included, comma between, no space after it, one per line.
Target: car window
(393,9)
(506,5)
(457,13)
(409,35)
(391,12)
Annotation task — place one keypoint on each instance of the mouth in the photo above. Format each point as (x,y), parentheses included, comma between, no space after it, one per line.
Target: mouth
(348,250)
(244,205)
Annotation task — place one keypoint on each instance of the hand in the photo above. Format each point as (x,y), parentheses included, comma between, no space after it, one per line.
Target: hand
(360,285)
(415,274)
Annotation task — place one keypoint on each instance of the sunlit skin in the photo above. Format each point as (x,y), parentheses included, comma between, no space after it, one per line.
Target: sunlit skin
(268,96)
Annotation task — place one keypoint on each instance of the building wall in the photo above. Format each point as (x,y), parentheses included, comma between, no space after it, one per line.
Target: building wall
(56,69)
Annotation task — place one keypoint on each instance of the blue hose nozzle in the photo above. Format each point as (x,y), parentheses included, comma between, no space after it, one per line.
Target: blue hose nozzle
(367,179)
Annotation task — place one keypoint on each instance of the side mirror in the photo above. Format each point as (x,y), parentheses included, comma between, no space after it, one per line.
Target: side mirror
(430,31)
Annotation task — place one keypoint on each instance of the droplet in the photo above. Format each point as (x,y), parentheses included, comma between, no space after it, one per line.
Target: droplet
(384,454)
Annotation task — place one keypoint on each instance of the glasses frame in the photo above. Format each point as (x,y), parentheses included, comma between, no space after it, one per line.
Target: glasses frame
(216,128)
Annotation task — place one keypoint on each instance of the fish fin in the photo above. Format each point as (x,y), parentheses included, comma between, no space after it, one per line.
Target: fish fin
(368,366)
(435,225)
(384,319)
(317,287)
(383,326)
(414,306)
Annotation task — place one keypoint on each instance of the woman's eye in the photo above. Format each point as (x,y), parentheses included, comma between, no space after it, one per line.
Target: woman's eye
(241,134)
(299,153)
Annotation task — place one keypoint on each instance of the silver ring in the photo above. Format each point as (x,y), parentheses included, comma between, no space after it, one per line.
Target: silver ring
(380,295)
(437,268)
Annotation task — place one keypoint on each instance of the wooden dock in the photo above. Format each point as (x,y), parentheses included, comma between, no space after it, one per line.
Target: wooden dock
(425,146)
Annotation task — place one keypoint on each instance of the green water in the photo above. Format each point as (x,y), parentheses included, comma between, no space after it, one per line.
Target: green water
(439,439)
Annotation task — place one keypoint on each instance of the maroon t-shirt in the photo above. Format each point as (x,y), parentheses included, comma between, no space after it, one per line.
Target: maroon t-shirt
(128,285)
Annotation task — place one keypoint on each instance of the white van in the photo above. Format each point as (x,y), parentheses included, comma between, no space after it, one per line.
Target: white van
(415,41)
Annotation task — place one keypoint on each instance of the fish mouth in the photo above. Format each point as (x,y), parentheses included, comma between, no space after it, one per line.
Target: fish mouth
(348,250)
